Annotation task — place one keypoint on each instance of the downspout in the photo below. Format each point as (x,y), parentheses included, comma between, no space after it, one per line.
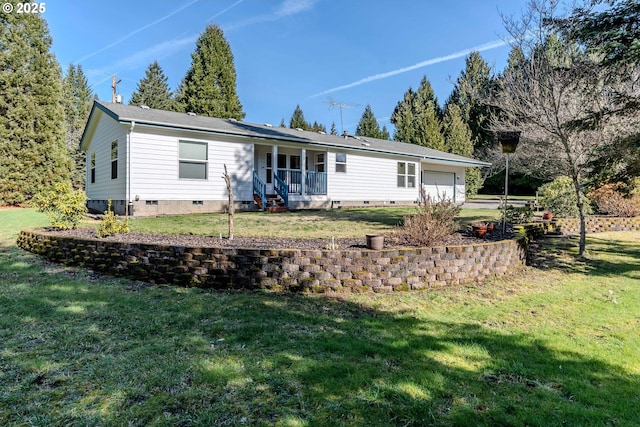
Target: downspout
(129,200)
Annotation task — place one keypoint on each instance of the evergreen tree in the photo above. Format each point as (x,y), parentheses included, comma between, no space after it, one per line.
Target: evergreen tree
(209,87)
(457,136)
(333,130)
(33,154)
(297,119)
(368,125)
(418,118)
(318,127)
(384,133)
(470,91)
(78,99)
(282,123)
(153,90)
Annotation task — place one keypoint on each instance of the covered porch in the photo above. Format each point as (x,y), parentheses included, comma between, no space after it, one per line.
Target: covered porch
(287,171)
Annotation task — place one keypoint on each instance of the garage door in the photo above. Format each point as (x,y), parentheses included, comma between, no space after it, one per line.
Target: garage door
(440,184)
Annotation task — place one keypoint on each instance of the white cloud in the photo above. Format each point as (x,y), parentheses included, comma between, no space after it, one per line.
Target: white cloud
(287,8)
(134,32)
(487,46)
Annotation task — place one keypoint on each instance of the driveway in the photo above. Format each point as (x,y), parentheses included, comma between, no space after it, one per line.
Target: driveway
(490,203)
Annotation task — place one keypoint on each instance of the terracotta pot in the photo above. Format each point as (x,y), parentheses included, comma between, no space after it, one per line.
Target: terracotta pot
(479,230)
(375,241)
(490,227)
(547,216)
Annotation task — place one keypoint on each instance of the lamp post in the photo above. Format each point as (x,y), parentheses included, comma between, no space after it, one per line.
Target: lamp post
(508,142)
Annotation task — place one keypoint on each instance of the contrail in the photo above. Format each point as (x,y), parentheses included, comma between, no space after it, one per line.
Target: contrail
(487,46)
(134,32)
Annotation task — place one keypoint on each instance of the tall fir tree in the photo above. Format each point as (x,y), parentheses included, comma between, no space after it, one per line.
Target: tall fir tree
(153,90)
(334,130)
(282,123)
(418,118)
(209,87)
(297,120)
(469,93)
(457,137)
(368,125)
(33,153)
(78,98)
(318,127)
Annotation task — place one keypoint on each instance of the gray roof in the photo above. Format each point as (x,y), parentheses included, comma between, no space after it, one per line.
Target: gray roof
(126,114)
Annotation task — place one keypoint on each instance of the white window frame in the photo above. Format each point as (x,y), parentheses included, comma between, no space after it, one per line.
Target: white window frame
(341,165)
(188,160)
(406,178)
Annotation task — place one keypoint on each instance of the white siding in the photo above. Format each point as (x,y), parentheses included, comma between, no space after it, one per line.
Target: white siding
(154,175)
(369,177)
(107,130)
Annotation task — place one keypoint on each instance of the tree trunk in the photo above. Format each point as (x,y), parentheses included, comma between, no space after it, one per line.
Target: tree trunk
(227,180)
(580,206)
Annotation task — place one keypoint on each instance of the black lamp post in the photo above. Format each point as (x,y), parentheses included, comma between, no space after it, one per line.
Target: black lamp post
(508,140)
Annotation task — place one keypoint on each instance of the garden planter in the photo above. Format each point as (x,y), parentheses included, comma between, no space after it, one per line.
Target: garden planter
(479,230)
(547,216)
(490,227)
(375,241)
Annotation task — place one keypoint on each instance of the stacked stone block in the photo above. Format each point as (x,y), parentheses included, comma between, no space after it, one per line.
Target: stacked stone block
(285,269)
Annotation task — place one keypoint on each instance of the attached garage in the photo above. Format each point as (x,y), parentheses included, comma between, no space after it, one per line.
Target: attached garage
(440,184)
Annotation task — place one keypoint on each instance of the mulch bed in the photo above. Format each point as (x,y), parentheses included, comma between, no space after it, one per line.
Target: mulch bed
(460,238)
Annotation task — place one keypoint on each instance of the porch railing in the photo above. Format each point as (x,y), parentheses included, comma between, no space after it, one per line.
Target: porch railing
(281,188)
(260,189)
(315,182)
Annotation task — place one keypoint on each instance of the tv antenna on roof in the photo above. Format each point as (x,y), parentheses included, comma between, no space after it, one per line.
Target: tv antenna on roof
(333,103)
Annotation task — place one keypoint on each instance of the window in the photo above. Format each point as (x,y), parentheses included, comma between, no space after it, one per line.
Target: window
(282,161)
(320,162)
(93,168)
(192,160)
(269,168)
(114,160)
(294,162)
(341,162)
(406,175)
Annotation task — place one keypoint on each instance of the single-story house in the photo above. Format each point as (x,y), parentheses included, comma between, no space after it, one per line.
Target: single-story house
(151,162)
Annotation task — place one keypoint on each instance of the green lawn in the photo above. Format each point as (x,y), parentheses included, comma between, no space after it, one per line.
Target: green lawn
(556,346)
(310,224)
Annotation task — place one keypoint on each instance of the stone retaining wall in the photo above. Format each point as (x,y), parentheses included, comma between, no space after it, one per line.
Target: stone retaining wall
(284,269)
(597,224)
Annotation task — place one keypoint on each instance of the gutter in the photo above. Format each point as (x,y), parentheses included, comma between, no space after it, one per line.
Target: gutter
(128,189)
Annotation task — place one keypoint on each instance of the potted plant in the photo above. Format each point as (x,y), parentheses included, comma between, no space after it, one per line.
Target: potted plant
(375,241)
(547,216)
(479,229)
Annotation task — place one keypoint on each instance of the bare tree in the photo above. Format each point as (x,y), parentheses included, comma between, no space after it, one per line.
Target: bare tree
(231,210)
(557,97)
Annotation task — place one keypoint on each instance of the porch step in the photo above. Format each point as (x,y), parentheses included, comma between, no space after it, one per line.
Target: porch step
(274,203)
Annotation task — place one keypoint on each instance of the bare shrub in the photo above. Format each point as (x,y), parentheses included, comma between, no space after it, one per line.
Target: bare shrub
(610,199)
(433,222)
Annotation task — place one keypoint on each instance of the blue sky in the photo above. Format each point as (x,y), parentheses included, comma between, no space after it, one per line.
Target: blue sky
(288,52)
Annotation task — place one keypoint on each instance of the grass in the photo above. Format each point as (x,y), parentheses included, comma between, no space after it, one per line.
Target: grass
(310,224)
(556,345)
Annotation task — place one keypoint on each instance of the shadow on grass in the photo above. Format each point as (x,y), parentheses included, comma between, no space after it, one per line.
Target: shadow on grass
(81,350)
(614,256)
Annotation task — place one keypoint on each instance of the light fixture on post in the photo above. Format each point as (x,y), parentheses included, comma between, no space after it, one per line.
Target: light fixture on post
(508,140)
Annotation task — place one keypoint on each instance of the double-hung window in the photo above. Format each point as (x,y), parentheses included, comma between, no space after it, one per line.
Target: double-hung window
(114,159)
(406,175)
(341,162)
(93,167)
(193,160)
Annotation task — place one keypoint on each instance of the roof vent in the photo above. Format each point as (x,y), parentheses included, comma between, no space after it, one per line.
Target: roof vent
(191,113)
(357,137)
(299,129)
(322,132)
(366,144)
(269,125)
(145,107)
(231,119)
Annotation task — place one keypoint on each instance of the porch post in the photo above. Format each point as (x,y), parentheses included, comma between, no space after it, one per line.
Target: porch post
(274,162)
(303,171)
